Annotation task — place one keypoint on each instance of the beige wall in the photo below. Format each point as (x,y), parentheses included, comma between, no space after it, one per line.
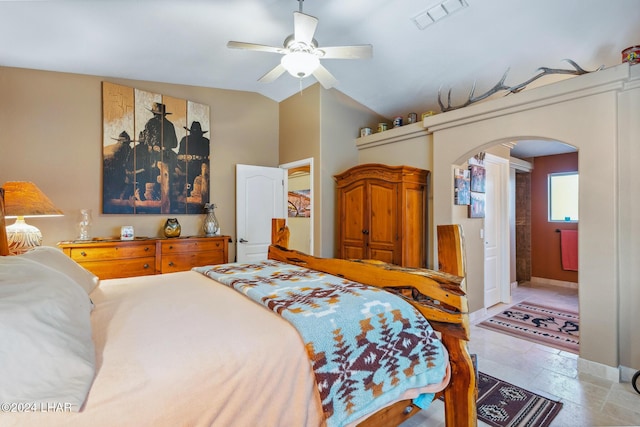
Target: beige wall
(411,149)
(51,134)
(341,120)
(322,124)
(596,113)
(629,225)
(300,139)
(580,112)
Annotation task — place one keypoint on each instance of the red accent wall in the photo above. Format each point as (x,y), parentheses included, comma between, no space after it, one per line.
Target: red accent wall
(545,241)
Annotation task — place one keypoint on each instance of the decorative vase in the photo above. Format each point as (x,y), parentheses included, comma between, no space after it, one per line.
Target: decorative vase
(172,228)
(210,226)
(84,226)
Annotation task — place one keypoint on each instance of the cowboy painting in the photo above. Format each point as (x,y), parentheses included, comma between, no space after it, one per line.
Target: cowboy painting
(153,174)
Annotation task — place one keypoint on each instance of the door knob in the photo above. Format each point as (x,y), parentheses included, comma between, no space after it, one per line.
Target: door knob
(243,241)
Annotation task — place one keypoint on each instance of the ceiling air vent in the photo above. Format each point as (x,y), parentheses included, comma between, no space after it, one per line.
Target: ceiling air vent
(437,12)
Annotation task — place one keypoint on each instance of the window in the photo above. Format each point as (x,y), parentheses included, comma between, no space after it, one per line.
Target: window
(563,197)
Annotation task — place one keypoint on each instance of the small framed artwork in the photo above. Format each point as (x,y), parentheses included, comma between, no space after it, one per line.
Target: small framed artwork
(299,203)
(461,192)
(478,178)
(476,208)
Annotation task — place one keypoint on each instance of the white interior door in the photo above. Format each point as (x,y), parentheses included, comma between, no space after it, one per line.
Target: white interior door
(260,196)
(496,232)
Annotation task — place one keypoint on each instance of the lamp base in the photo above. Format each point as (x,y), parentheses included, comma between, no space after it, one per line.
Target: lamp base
(22,237)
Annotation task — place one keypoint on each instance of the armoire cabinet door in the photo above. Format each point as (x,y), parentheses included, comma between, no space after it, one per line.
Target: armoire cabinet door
(382,230)
(352,221)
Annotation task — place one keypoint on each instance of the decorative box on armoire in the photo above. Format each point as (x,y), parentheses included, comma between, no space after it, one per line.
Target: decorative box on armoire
(382,214)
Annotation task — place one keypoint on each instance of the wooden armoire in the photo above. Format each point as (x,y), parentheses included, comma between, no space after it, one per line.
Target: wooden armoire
(382,214)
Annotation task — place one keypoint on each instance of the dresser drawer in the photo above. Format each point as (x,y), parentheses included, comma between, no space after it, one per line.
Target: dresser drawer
(188,260)
(190,245)
(122,267)
(118,251)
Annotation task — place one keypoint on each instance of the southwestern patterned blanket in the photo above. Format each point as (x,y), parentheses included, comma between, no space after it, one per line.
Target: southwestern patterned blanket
(368,348)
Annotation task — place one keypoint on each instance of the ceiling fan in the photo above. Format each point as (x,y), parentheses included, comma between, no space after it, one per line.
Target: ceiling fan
(301,54)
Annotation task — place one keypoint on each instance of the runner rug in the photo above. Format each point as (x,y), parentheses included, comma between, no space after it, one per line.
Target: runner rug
(558,328)
(501,404)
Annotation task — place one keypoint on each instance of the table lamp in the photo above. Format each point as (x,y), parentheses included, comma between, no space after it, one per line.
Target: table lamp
(24,199)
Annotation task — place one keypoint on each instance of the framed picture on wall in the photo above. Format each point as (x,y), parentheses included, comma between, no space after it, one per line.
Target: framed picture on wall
(476,208)
(478,178)
(299,204)
(461,183)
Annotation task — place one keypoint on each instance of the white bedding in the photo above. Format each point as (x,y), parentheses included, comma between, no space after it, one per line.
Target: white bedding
(149,375)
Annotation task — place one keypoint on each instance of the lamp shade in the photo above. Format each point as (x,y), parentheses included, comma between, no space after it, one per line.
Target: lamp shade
(23,198)
(300,64)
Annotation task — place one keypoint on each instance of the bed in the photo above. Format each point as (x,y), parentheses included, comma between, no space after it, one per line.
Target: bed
(193,349)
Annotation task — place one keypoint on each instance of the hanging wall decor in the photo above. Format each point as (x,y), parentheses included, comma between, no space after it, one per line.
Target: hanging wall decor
(461,186)
(477,186)
(299,203)
(477,178)
(476,208)
(155,153)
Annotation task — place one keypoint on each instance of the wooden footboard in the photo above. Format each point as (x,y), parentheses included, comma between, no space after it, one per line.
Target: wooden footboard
(439,295)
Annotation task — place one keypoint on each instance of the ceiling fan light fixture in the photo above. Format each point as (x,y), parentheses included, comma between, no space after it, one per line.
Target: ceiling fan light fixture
(300,64)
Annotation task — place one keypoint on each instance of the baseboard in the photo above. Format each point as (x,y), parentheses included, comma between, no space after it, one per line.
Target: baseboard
(477,315)
(553,282)
(598,370)
(626,374)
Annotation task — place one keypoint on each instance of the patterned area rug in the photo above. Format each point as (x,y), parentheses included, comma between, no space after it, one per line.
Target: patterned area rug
(558,328)
(501,404)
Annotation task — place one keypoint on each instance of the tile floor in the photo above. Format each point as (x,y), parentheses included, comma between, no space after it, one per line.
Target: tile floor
(587,401)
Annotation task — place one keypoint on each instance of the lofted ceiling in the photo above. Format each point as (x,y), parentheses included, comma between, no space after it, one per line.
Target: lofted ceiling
(184,42)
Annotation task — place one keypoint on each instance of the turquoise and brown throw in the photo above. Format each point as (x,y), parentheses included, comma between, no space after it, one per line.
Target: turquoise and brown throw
(367,347)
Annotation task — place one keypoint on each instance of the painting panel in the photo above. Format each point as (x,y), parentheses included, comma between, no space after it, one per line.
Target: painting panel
(117,150)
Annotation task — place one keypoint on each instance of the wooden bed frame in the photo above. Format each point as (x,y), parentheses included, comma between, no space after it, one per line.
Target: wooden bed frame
(439,296)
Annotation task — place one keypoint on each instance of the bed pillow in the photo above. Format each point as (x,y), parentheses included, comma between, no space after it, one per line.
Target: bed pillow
(56,259)
(47,355)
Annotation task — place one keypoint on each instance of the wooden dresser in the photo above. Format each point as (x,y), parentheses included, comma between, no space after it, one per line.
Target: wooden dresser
(382,214)
(110,259)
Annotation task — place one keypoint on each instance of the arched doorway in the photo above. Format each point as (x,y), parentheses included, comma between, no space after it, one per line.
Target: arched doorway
(586,120)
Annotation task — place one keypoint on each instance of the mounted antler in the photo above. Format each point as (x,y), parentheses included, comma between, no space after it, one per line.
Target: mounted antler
(511,89)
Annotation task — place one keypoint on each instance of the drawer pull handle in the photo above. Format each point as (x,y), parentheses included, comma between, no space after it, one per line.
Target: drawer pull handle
(146,266)
(171,264)
(146,249)
(170,246)
(83,253)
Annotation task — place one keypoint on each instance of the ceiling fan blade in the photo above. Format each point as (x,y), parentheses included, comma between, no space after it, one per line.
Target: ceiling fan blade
(363,51)
(304,27)
(325,78)
(276,72)
(253,46)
